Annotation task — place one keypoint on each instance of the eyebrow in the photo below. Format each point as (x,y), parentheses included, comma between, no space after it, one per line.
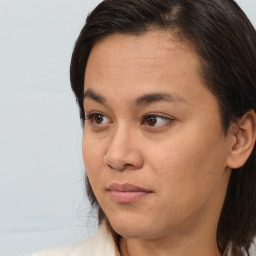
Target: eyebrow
(94,96)
(142,100)
(156,97)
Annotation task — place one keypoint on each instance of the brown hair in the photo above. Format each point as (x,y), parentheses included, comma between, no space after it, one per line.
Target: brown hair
(225,41)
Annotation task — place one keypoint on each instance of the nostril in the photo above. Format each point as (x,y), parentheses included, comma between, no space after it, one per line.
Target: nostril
(128,166)
(121,168)
(110,166)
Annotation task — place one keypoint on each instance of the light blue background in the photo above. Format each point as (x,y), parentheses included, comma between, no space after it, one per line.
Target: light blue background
(42,197)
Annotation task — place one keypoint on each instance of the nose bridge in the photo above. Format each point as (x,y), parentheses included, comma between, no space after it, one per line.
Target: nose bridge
(123,151)
(121,137)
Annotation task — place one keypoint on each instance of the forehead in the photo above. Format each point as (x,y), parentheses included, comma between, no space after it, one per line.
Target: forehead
(135,65)
(153,49)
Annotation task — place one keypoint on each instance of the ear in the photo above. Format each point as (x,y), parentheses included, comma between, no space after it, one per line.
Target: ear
(243,140)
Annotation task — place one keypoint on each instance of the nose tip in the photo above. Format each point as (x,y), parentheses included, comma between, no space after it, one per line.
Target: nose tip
(122,156)
(130,161)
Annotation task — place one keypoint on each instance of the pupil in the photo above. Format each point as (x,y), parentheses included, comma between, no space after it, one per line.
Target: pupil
(98,118)
(151,120)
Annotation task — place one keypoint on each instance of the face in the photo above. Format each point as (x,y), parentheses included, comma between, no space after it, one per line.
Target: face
(154,149)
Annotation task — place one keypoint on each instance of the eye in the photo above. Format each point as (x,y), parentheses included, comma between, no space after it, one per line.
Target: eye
(97,118)
(154,120)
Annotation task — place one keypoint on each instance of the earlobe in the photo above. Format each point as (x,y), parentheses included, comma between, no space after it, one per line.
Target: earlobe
(243,140)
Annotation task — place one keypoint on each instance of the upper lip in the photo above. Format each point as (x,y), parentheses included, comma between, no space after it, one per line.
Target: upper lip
(126,188)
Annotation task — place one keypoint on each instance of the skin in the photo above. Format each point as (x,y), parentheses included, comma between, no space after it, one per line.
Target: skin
(180,157)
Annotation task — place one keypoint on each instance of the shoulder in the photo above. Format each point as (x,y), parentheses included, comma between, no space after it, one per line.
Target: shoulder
(103,243)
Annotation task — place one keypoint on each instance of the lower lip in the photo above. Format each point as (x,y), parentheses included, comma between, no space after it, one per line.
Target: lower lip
(126,197)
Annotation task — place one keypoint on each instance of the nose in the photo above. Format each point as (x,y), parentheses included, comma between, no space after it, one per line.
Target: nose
(123,152)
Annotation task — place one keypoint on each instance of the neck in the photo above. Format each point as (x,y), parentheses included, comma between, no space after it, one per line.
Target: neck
(133,247)
(188,247)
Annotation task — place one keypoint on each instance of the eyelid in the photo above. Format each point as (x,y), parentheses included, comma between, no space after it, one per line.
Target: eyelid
(159,115)
(91,114)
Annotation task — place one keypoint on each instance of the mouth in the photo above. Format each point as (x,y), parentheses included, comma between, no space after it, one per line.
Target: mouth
(126,193)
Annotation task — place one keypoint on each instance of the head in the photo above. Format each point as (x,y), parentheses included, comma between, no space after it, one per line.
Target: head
(218,43)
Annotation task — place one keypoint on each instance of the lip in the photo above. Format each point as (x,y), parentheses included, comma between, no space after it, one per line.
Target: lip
(126,193)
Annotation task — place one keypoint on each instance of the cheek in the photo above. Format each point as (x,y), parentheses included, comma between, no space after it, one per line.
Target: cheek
(92,155)
(93,163)
(191,160)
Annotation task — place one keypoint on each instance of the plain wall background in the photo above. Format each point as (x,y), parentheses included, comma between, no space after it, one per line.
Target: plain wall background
(43,203)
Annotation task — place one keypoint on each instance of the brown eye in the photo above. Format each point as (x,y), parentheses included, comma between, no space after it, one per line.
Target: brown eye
(157,121)
(151,120)
(97,119)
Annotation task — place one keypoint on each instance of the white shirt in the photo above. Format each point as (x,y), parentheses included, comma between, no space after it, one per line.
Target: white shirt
(102,244)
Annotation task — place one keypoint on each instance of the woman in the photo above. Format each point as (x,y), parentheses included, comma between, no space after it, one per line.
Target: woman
(167,97)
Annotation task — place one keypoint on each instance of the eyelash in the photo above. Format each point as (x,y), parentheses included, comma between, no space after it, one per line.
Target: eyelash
(168,120)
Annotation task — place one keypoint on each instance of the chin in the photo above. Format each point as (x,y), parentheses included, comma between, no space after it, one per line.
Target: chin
(130,227)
